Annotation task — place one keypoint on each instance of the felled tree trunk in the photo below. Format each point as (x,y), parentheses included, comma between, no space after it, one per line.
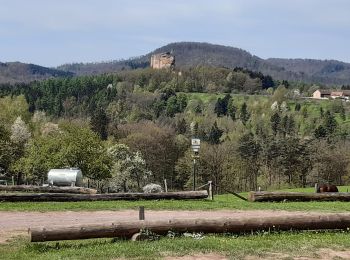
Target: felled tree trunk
(298,196)
(218,225)
(100,197)
(33,188)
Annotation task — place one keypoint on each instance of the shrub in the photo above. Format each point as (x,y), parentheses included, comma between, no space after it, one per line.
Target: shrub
(152,188)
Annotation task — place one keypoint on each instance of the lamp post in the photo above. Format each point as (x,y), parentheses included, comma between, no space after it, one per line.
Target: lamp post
(196,144)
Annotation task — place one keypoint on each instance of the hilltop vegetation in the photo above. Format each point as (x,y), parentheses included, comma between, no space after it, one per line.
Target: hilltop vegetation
(189,55)
(17,72)
(134,127)
(192,54)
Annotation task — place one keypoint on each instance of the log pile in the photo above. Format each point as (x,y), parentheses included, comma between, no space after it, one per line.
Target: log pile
(47,189)
(218,225)
(297,196)
(103,197)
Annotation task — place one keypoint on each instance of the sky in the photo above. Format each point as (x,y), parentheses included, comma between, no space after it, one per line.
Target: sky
(54,32)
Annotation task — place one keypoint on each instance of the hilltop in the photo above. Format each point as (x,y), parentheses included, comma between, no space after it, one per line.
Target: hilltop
(16,72)
(192,54)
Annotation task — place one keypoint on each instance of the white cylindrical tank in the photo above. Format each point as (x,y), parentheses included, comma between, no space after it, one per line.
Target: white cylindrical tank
(65,177)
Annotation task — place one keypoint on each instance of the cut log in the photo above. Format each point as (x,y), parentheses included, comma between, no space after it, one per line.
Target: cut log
(217,225)
(32,188)
(98,197)
(298,196)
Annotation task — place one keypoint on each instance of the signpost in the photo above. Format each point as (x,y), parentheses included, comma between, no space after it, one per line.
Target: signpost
(196,144)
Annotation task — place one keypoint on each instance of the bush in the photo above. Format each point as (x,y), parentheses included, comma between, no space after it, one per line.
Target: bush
(152,188)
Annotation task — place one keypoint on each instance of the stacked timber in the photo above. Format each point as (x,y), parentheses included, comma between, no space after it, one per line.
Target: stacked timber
(47,189)
(99,197)
(298,196)
(217,225)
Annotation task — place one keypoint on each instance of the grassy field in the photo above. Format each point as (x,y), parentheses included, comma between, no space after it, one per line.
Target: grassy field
(233,246)
(226,201)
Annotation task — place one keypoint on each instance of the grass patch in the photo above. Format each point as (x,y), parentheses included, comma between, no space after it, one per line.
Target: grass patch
(235,247)
(227,201)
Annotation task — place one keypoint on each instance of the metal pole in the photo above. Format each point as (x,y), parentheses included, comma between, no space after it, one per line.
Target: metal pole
(194,174)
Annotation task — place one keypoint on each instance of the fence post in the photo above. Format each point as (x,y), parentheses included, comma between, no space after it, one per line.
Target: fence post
(142,213)
(211,197)
(165,186)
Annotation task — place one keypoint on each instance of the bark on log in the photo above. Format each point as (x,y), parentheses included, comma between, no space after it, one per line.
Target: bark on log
(32,188)
(298,196)
(218,225)
(98,197)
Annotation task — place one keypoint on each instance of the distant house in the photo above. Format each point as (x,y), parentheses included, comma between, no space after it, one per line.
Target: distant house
(328,94)
(322,93)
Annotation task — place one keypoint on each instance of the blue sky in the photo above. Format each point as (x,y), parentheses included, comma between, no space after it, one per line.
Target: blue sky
(50,33)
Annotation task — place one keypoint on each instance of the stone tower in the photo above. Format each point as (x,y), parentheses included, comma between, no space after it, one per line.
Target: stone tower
(163,60)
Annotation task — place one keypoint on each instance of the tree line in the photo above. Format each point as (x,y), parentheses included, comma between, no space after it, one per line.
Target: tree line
(132,128)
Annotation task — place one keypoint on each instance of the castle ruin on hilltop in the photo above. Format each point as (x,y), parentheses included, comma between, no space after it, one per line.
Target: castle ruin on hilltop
(163,61)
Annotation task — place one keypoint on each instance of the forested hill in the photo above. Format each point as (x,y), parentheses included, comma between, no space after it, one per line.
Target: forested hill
(17,72)
(191,54)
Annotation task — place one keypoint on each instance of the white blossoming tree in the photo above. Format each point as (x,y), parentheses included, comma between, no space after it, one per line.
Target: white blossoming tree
(20,133)
(129,171)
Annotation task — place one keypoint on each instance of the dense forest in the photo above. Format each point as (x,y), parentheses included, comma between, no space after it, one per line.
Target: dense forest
(133,127)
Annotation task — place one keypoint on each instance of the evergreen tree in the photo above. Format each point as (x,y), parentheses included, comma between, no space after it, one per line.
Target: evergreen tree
(267,82)
(219,110)
(321,112)
(181,126)
(194,129)
(232,110)
(244,114)
(99,123)
(342,113)
(215,134)
(320,132)
(287,125)
(275,123)
(330,123)
(221,105)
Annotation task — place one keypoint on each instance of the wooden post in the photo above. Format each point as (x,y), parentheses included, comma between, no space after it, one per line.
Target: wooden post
(165,186)
(142,213)
(211,197)
(194,174)
(316,187)
(13,180)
